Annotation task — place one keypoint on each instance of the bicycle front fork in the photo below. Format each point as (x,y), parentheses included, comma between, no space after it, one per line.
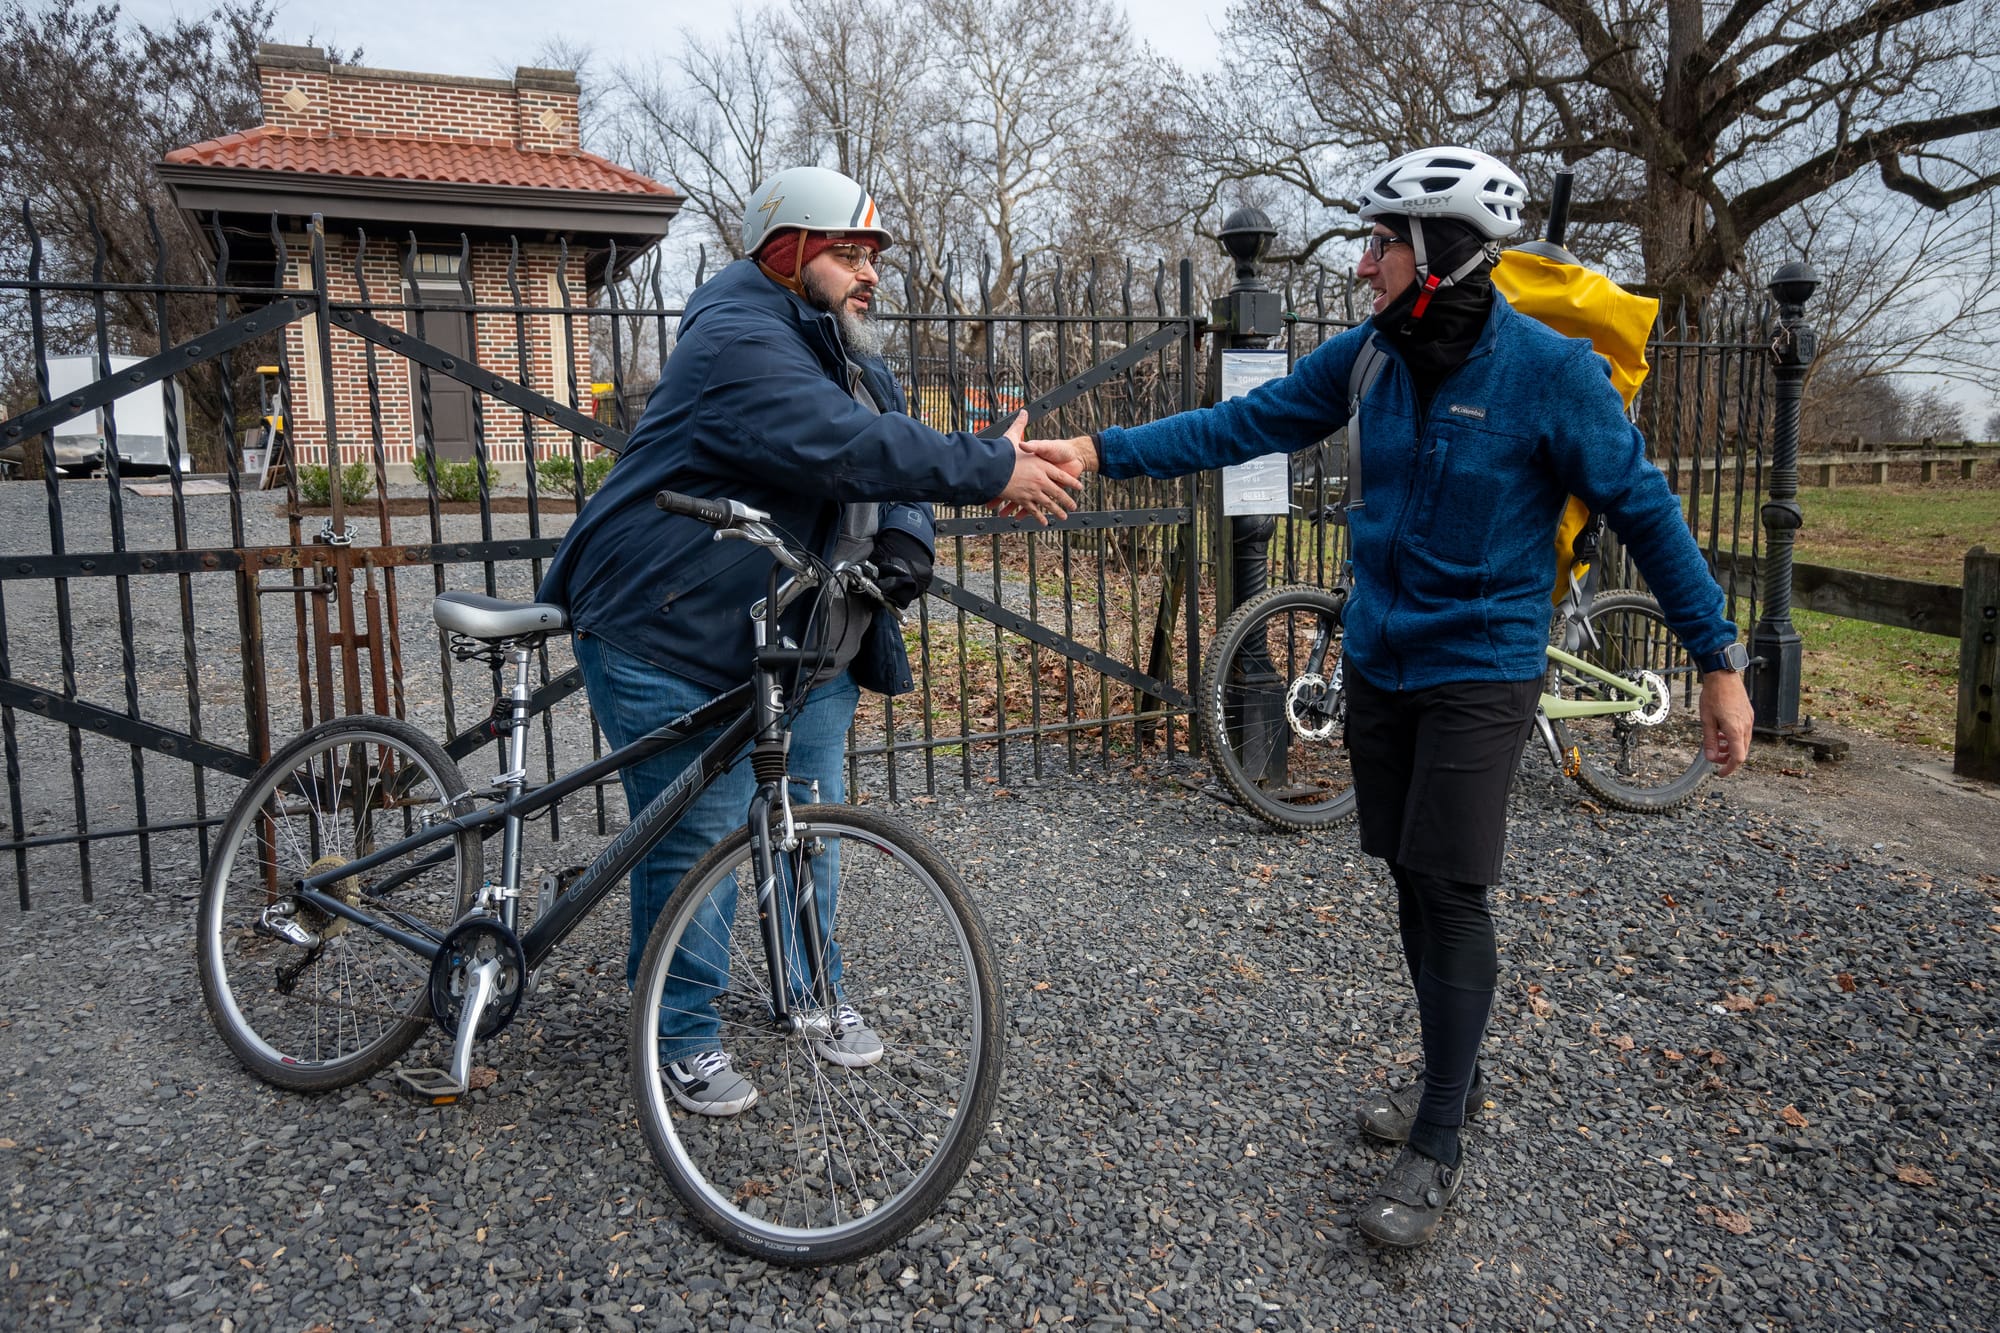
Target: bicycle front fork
(789,909)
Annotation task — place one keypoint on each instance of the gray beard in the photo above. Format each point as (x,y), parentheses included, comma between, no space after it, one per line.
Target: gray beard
(861,335)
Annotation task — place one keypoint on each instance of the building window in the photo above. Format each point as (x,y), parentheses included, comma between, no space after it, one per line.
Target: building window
(435,263)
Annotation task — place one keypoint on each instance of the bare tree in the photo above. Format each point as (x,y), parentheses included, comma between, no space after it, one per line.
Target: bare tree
(1902,288)
(88,106)
(1692,125)
(1933,417)
(710,122)
(1993,428)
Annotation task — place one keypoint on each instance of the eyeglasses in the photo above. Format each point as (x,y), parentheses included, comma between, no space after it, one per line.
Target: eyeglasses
(1373,246)
(853,258)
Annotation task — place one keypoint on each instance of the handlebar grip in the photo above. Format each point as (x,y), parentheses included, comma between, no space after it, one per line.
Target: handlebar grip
(715,513)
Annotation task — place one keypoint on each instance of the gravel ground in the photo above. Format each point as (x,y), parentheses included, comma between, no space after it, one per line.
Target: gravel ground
(1744,1078)
(1743,1058)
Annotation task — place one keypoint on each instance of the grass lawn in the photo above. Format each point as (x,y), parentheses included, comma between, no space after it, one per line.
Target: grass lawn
(1872,678)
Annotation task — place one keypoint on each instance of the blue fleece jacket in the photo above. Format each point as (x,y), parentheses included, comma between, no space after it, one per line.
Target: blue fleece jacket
(1454,542)
(753,405)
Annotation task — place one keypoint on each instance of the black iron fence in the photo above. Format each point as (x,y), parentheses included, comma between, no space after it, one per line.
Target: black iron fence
(159,635)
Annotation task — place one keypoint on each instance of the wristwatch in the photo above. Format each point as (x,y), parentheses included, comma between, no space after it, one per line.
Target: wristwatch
(1729,657)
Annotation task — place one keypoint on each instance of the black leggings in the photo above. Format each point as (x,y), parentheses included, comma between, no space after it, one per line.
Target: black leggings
(1454,963)
(1431,773)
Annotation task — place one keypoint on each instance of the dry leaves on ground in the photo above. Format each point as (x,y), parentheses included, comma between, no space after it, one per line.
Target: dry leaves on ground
(1736,1224)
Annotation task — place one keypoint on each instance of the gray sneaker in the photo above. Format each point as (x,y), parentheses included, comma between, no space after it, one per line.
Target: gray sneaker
(707,1084)
(853,1044)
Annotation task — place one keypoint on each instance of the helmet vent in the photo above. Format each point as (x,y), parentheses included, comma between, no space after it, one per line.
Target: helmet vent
(1437,184)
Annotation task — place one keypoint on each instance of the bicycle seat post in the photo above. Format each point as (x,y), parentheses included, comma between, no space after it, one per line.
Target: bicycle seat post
(513,780)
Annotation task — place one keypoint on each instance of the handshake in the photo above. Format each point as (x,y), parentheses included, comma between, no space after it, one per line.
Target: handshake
(1048,474)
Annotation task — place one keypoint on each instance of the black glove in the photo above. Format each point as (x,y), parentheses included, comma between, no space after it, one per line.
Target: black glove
(903,567)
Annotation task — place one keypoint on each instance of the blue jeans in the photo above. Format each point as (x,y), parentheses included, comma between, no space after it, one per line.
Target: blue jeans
(631,697)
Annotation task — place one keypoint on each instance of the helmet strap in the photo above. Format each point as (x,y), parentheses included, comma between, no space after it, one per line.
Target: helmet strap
(1432,283)
(794,281)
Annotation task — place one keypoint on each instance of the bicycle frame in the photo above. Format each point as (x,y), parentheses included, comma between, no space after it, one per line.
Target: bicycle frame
(1632,696)
(752,711)
(611,865)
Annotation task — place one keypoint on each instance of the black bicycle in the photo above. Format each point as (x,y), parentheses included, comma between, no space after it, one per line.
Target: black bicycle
(346,908)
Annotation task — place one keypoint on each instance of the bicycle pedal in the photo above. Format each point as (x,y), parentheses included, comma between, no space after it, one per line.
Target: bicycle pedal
(434,1086)
(1572,762)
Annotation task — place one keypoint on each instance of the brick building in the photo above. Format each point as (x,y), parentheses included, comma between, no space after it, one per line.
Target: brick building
(488,177)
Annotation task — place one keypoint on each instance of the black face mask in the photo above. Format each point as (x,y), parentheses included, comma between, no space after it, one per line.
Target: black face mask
(1438,342)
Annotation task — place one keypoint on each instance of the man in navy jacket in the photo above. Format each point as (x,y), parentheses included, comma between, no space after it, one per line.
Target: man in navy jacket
(775,396)
(1480,424)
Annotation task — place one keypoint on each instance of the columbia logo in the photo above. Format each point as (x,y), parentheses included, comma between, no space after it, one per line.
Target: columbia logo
(1462,410)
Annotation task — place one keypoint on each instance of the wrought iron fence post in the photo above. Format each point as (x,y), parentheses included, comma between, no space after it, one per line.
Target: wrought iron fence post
(1248,316)
(1774,682)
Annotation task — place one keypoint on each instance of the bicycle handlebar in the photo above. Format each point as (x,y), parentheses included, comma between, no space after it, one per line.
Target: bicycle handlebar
(715,513)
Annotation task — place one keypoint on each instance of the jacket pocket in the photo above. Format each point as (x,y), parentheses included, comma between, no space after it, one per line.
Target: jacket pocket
(1458,503)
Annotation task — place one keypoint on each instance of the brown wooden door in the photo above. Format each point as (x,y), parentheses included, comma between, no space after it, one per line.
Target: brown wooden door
(451,401)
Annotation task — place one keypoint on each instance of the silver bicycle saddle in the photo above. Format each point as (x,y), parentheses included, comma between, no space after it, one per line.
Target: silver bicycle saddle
(478,616)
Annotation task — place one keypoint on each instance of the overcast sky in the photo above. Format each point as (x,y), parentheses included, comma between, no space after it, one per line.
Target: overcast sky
(490,36)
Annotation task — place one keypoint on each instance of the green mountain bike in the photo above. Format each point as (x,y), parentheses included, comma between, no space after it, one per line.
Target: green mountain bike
(1620,712)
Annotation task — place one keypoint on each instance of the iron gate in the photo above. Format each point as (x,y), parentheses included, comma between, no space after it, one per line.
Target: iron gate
(155,647)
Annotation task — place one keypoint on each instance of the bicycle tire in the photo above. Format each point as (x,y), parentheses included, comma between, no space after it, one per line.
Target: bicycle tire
(832,1163)
(1644,767)
(1261,688)
(356,1002)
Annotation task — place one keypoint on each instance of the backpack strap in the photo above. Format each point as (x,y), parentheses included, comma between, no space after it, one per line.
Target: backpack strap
(1367,369)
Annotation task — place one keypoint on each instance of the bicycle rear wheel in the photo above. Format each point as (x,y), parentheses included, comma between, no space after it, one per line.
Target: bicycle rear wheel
(1650,758)
(831,1162)
(1273,708)
(307,1000)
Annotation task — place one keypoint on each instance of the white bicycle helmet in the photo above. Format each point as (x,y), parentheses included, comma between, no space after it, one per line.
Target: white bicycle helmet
(812,199)
(1462,184)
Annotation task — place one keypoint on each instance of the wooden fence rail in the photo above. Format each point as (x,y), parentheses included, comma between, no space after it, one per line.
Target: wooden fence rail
(1969,613)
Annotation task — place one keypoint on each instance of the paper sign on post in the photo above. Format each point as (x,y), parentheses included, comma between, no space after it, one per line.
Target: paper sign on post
(1262,485)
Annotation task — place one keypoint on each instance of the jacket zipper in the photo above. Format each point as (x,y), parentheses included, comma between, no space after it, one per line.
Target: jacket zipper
(1422,418)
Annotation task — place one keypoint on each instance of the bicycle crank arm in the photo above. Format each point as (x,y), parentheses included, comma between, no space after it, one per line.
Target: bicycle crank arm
(436,1085)
(1549,739)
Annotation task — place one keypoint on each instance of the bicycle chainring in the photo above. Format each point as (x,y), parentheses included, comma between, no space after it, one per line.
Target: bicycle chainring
(470,943)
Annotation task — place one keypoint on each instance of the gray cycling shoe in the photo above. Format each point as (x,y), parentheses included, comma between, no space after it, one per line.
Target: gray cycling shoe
(1407,1207)
(1388,1115)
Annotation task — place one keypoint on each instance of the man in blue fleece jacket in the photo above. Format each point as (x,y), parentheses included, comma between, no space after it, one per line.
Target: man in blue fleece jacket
(776,396)
(1480,424)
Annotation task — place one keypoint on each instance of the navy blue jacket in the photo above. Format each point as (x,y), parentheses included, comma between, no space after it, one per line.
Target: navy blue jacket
(1453,544)
(753,406)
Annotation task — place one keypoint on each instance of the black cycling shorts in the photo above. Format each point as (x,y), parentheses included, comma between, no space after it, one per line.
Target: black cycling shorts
(1432,768)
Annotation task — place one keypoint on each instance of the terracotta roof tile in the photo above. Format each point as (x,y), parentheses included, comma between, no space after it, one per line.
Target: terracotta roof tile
(262,149)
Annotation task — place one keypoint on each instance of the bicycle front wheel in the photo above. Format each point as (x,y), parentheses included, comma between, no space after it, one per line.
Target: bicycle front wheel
(305,999)
(1273,708)
(1647,758)
(836,1158)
